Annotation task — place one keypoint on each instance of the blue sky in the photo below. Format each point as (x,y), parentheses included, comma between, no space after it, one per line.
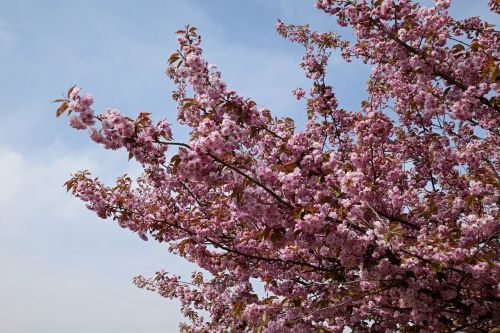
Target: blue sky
(62,269)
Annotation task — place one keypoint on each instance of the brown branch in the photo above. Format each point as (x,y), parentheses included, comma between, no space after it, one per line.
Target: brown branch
(232,250)
(255,181)
(238,171)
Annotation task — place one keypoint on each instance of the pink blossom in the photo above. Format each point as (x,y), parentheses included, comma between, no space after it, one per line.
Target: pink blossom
(383,218)
(299,93)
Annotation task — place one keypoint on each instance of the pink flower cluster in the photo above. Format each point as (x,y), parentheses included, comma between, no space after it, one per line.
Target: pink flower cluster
(84,115)
(139,137)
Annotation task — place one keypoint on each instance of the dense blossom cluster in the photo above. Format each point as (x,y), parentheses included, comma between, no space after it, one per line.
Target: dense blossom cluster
(382,219)
(139,137)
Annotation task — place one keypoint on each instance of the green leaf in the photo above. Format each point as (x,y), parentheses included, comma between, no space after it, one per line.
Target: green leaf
(436,267)
(63,107)
(296,301)
(276,236)
(70,90)
(457,48)
(289,167)
(494,72)
(173,58)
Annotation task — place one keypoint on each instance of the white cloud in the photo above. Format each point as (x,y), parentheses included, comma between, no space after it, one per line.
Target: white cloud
(63,270)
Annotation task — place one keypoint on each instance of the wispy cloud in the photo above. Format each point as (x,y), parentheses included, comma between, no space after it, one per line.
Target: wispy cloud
(8,38)
(63,270)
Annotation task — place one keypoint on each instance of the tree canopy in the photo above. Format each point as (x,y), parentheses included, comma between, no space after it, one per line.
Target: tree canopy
(379,219)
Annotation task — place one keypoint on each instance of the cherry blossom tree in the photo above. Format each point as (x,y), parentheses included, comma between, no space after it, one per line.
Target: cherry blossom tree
(379,219)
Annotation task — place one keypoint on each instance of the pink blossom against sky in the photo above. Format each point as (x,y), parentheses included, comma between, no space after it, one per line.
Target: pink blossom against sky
(63,270)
